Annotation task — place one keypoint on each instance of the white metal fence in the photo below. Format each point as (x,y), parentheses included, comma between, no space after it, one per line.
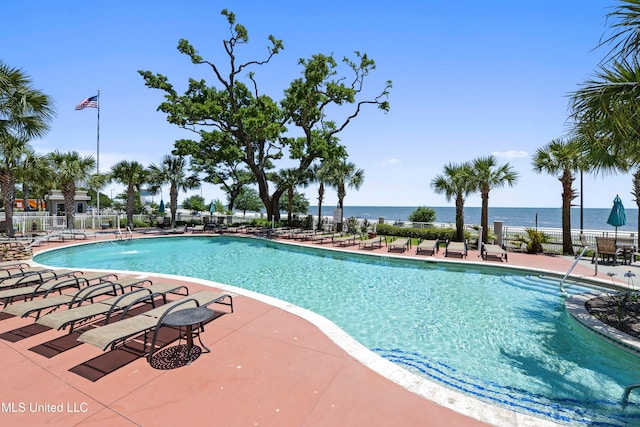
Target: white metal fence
(510,236)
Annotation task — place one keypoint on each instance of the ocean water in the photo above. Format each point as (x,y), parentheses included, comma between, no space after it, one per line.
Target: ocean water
(593,219)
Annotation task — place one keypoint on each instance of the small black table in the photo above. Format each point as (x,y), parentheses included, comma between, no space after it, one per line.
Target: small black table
(187,318)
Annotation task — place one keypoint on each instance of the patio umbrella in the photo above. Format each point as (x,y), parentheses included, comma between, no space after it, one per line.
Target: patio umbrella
(161,207)
(617,217)
(212,208)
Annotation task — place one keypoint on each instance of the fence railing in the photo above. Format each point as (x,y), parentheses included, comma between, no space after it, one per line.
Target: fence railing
(511,236)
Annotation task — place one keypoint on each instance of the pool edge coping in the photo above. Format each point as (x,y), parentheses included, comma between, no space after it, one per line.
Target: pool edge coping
(575,305)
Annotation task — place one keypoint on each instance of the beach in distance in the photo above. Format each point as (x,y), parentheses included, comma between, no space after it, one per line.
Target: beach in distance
(593,218)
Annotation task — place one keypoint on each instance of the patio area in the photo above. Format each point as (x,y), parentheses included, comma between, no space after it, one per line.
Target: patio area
(270,365)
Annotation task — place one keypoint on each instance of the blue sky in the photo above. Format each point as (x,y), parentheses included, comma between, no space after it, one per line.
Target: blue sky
(469,79)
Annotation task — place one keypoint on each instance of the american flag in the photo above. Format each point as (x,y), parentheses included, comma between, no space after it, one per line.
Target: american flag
(88,103)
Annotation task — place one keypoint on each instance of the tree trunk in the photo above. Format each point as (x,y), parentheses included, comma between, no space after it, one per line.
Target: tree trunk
(173,196)
(567,196)
(320,198)
(459,218)
(130,203)
(7,186)
(341,195)
(484,221)
(233,195)
(25,196)
(290,196)
(69,194)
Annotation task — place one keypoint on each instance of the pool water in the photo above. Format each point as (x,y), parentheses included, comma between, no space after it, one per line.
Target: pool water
(499,335)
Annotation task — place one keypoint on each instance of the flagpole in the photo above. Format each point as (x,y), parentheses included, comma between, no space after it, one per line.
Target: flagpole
(98,160)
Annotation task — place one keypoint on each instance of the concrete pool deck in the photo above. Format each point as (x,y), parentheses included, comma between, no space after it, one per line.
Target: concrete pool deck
(271,365)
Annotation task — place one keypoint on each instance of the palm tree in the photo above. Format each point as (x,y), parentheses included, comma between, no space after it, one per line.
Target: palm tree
(71,171)
(486,175)
(35,174)
(289,179)
(133,175)
(12,152)
(172,171)
(564,158)
(605,109)
(97,182)
(455,182)
(340,175)
(25,113)
(319,174)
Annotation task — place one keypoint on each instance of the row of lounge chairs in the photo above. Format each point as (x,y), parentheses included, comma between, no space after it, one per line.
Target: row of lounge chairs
(108,307)
(401,244)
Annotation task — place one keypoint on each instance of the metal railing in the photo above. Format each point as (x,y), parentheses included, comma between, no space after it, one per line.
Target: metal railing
(627,391)
(575,262)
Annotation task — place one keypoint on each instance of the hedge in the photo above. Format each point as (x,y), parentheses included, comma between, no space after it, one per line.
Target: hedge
(443,234)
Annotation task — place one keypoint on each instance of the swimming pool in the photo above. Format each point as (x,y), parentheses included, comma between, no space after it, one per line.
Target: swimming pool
(499,335)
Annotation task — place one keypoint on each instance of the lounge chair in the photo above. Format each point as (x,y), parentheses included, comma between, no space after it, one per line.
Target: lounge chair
(9,273)
(12,268)
(112,306)
(36,276)
(67,234)
(112,334)
(321,238)
(430,247)
(497,251)
(11,265)
(456,249)
(70,299)
(304,235)
(197,229)
(235,229)
(280,232)
(345,240)
(289,233)
(401,244)
(371,243)
(48,286)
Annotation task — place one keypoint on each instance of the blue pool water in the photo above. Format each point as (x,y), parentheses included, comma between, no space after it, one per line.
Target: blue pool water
(499,335)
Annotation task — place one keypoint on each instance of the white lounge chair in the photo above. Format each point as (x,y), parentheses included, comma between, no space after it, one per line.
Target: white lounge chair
(496,251)
(401,244)
(456,249)
(430,247)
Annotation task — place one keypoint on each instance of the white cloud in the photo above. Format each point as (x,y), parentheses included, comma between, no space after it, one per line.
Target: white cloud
(511,154)
(389,162)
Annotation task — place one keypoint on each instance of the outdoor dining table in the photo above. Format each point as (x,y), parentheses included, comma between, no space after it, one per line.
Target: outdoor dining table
(188,318)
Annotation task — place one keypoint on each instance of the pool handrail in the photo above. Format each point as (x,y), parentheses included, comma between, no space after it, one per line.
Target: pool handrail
(575,262)
(627,391)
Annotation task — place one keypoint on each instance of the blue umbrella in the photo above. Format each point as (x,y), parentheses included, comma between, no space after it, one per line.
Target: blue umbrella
(161,208)
(617,217)
(212,208)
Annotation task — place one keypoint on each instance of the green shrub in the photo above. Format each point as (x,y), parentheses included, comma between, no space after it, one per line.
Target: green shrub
(263,222)
(534,240)
(138,223)
(308,222)
(423,214)
(351,224)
